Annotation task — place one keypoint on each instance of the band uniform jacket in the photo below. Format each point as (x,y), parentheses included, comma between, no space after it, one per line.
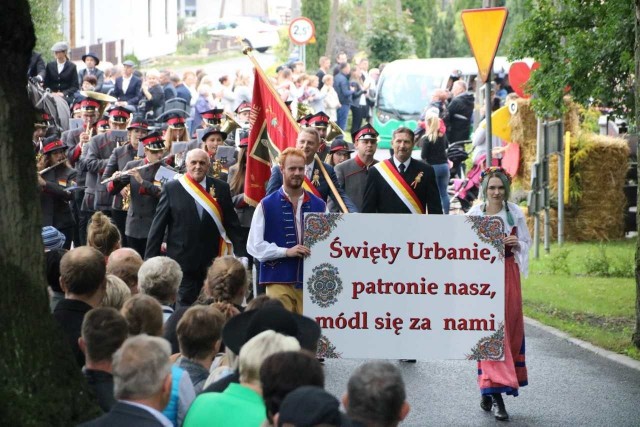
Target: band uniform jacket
(65,82)
(117,161)
(71,139)
(379,197)
(54,198)
(144,198)
(132,95)
(353,178)
(275,182)
(96,156)
(192,241)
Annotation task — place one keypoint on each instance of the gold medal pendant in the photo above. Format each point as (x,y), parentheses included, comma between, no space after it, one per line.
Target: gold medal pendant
(416,181)
(212,191)
(316,178)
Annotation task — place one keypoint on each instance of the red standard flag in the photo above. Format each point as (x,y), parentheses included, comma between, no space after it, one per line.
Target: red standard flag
(272,130)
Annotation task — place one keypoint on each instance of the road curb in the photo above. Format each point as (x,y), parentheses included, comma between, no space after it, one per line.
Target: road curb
(618,358)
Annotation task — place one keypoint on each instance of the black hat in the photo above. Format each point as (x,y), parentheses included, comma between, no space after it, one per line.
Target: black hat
(318,120)
(138,122)
(241,328)
(91,55)
(308,406)
(213,116)
(244,138)
(304,120)
(153,141)
(51,144)
(214,129)
(340,144)
(244,106)
(174,117)
(365,132)
(119,114)
(43,119)
(103,123)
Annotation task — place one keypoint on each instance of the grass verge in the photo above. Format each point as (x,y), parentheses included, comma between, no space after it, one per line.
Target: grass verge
(586,290)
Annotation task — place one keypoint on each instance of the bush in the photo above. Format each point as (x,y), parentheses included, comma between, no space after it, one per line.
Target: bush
(558,262)
(599,264)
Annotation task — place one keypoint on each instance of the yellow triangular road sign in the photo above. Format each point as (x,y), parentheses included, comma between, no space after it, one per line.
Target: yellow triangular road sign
(483,28)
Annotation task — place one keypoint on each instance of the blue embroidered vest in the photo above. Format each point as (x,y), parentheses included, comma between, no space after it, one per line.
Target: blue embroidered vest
(280,228)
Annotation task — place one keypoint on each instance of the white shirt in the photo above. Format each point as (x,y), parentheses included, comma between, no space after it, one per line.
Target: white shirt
(260,248)
(125,83)
(308,169)
(60,66)
(398,163)
(156,414)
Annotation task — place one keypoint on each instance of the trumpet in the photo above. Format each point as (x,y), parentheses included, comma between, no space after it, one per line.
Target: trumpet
(333,131)
(230,125)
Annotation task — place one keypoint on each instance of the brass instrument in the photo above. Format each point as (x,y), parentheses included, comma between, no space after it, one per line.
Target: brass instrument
(45,170)
(333,131)
(98,96)
(303,110)
(126,198)
(230,125)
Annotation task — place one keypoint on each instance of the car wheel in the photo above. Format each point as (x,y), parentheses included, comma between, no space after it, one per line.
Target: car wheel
(262,49)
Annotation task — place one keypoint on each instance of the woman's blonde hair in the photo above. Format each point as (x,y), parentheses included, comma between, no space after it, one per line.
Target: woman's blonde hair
(432,125)
(117,292)
(225,279)
(102,234)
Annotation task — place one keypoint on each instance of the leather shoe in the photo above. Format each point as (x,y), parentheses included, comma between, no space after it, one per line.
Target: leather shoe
(485,402)
(499,410)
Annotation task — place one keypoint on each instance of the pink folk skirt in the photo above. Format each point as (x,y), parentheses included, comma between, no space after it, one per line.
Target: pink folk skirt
(508,375)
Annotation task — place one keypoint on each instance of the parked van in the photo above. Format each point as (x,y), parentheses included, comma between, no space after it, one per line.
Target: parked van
(405,88)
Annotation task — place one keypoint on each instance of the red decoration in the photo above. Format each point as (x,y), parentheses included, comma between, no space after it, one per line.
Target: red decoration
(519,75)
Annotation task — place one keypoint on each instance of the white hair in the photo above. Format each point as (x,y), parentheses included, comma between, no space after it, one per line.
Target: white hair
(258,348)
(140,367)
(160,277)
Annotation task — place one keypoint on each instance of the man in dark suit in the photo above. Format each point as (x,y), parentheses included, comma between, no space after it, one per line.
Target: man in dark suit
(142,384)
(127,87)
(61,75)
(401,184)
(92,61)
(197,212)
(36,67)
(315,181)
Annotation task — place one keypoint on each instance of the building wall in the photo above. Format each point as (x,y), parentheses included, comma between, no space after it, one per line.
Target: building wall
(148,27)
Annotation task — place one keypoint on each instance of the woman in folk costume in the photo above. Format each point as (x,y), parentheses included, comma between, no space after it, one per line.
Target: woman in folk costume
(497,377)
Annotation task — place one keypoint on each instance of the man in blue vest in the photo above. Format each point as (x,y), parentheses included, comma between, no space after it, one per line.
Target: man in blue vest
(279,247)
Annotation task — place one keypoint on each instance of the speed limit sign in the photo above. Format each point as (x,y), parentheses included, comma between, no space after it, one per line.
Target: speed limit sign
(301,30)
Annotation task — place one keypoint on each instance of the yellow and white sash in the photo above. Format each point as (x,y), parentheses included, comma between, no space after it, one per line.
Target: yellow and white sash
(212,207)
(397,183)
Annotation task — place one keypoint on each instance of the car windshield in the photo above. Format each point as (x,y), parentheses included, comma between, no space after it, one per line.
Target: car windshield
(406,94)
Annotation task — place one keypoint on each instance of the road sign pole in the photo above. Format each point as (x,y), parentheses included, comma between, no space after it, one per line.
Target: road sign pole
(487,117)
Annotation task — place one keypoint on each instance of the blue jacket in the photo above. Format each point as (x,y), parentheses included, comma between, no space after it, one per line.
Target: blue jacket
(341,85)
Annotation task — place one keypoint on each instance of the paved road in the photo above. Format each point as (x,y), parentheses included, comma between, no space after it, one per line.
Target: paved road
(569,386)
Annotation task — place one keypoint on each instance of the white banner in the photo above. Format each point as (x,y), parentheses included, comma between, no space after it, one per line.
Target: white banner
(406,286)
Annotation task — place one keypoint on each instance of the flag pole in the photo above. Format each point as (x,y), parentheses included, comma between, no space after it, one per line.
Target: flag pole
(248,51)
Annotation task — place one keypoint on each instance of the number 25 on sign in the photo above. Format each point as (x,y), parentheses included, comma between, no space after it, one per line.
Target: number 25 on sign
(301,31)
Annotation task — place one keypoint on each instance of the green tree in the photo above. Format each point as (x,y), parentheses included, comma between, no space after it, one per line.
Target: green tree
(446,42)
(518,12)
(586,47)
(319,13)
(47,20)
(389,38)
(423,14)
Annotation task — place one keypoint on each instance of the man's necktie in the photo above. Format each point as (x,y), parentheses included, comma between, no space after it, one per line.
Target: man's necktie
(401,168)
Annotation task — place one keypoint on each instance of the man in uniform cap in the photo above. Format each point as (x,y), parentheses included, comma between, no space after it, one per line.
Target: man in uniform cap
(320,121)
(96,156)
(91,60)
(61,76)
(42,122)
(209,118)
(339,152)
(144,190)
(352,174)
(54,197)
(137,129)
(127,87)
(75,140)
(242,117)
(103,124)
(176,131)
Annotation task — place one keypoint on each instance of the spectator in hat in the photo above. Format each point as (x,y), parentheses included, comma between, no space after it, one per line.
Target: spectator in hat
(339,152)
(142,384)
(83,280)
(376,395)
(104,330)
(54,187)
(91,62)
(53,242)
(159,277)
(153,94)
(241,404)
(125,263)
(61,75)
(199,334)
(282,373)
(127,87)
(311,406)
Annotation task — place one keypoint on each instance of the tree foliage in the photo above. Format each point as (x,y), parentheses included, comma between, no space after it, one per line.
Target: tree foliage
(423,16)
(585,47)
(47,19)
(447,40)
(389,38)
(319,11)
